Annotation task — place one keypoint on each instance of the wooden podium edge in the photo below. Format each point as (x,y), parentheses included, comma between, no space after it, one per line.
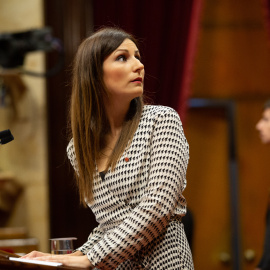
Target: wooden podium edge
(6,255)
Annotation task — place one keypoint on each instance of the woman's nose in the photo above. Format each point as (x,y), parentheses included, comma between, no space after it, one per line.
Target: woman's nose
(258,125)
(138,65)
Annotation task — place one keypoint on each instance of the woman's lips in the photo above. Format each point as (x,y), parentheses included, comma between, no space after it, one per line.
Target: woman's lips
(137,80)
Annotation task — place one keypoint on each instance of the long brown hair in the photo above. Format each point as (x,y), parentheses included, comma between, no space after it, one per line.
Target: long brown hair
(89,122)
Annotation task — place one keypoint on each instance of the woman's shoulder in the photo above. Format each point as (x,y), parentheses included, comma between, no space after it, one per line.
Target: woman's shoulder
(154,111)
(70,144)
(71,149)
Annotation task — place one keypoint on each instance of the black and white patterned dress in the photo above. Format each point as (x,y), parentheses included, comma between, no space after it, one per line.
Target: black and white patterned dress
(139,205)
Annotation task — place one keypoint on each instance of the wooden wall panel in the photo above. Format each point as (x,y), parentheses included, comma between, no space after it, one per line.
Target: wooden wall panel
(233,62)
(208,186)
(233,55)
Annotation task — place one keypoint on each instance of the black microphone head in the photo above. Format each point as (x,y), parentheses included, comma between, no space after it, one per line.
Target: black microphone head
(6,136)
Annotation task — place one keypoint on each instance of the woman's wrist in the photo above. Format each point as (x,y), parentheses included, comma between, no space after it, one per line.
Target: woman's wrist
(76,253)
(91,265)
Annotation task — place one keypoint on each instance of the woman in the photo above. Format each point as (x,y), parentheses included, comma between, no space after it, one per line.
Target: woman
(130,159)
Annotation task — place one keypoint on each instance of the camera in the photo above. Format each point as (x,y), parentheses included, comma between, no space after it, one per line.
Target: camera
(14,46)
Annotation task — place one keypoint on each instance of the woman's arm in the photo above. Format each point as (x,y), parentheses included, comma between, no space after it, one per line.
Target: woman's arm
(95,236)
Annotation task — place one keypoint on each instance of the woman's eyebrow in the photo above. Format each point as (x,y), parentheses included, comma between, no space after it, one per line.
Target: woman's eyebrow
(125,50)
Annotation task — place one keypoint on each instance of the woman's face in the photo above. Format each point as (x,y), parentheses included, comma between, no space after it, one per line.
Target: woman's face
(263,126)
(123,72)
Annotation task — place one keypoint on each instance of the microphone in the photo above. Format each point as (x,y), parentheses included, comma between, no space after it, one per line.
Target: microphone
(6,136)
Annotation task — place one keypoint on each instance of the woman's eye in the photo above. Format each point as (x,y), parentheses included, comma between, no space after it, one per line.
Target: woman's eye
(139,57)
(121,58)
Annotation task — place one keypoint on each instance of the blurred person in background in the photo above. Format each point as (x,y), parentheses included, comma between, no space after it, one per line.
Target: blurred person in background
(263,126)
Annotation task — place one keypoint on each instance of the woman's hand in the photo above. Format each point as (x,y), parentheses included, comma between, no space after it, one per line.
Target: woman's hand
(76,259)
(72,261)
(34,254)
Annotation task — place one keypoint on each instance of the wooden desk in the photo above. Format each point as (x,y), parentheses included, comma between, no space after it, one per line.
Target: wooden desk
(22,246)
(6,264)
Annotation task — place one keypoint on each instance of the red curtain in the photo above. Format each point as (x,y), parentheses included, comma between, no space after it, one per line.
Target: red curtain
(266,4)
(167,30)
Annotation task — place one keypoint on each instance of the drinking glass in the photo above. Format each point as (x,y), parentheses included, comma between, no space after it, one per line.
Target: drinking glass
(62,245)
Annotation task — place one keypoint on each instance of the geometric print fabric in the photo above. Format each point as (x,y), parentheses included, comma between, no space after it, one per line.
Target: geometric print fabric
(139,204)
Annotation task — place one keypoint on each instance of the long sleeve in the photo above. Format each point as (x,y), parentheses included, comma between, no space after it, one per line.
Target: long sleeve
(163,193)
(94,237)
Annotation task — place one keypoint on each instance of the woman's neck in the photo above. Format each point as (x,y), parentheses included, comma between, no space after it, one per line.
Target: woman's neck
(116,113)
